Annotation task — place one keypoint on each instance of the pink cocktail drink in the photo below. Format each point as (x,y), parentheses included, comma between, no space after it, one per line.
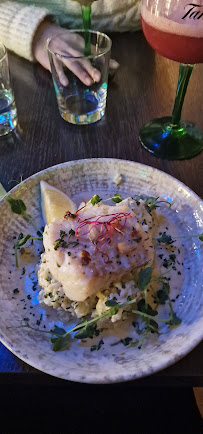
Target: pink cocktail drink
(179,36)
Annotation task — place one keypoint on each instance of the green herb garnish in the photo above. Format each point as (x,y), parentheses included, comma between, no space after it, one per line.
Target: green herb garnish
(21,241)
(117,198)
(95,199)
(60,242)
(148,315)
(162,295)
(60,343)
(19,207)
(144,278)
(167,239)
(71,232)
(146,308)
(151,202)
(97,347)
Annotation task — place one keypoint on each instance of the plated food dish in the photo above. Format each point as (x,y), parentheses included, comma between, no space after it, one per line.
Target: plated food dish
(95,257)
(118,264)
(88,251)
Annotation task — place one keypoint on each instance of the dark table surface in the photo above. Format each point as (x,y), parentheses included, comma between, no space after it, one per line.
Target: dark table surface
(144,87)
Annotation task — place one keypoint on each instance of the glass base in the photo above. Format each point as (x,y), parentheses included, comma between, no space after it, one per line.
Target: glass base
(83,108)
(8,127)
(170,142)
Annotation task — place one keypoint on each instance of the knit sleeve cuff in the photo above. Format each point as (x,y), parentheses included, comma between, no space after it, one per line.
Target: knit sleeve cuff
(18,25)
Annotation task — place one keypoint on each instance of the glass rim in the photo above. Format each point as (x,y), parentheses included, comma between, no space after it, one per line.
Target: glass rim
(91,56)
(3,56)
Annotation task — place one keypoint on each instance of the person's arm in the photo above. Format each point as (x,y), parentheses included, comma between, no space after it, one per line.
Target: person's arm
(115,15)
(46,30)
(18,25)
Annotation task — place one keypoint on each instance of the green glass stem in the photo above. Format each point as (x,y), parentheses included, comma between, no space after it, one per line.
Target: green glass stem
(170,137)
(185,72)
(86,16)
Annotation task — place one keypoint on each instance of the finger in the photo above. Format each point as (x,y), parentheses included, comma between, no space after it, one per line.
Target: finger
(77,69)
(113,64)
(62,78)
(91,70)
(61,75)
(85,63)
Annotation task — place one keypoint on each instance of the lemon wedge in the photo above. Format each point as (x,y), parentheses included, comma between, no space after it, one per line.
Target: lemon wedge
(54,203)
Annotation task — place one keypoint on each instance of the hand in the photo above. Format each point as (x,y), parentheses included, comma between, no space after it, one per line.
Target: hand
(82,68)
(70,48)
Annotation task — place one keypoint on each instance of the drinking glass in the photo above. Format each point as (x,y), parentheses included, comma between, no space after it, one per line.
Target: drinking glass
(74,52)
(8,112)
(174,28)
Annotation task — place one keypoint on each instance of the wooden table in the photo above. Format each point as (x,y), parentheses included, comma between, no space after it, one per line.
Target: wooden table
(144,87)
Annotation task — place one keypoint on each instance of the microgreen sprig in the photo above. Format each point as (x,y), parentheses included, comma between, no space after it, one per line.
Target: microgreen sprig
(85,329)
(61,339)
(94,200)
(168,239)
(151,202)
(19,207)
(117,198)
(21,241)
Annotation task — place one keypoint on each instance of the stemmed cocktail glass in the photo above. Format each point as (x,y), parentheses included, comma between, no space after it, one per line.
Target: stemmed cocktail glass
(174,28)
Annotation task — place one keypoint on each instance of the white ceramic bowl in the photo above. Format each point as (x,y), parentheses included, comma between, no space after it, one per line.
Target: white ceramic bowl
(111,364)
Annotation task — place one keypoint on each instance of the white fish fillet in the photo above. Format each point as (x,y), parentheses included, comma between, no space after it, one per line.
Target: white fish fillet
(85,263)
